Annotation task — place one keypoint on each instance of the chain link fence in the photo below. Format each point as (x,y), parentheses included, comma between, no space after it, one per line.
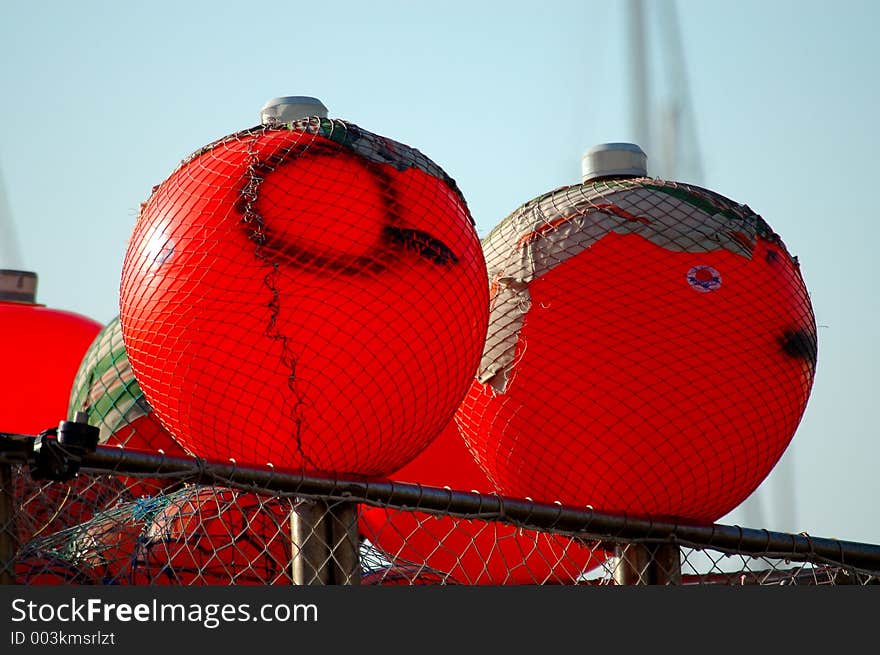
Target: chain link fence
(130,517)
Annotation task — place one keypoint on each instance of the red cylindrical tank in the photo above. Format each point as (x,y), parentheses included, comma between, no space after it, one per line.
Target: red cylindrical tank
(41,349)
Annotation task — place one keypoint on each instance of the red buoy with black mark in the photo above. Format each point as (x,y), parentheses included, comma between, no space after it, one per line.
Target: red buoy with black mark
(305,293)
(651,347)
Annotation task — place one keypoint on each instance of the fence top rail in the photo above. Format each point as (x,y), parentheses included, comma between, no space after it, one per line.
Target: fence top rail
(579,522)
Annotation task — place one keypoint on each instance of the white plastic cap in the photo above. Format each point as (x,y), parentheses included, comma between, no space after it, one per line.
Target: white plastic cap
(613,160)
(291,108)
(18,286)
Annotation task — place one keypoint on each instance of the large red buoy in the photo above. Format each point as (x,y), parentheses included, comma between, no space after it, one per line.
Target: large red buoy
(651,347)
(469,550)
(41,349)
(106,390)
(307,294)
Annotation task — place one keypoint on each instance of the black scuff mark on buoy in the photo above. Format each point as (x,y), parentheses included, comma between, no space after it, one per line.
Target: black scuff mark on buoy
(421,243)
(256,232)
(304,259)
(800,344)
(396,239)
(289,360)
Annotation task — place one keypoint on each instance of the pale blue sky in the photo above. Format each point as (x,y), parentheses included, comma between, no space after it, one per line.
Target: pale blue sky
(101,100)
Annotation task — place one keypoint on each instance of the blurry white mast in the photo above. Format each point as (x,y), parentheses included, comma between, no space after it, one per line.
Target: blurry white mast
(640,91)
(10,253)
(674,154)
(664,129)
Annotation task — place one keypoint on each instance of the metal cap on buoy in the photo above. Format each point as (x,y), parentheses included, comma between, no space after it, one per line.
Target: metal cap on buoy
(291,108)
(18,286)
(613,160)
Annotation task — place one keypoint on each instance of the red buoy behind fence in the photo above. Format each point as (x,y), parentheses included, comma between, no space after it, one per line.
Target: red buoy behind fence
(470,551)
(306,294)
(651,350)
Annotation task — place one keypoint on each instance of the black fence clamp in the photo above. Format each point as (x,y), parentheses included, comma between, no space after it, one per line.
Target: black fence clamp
(58,452)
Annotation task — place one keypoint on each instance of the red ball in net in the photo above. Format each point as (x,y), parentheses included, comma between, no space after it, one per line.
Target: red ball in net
(651,350)
(216,536)
(311,295)
(466,550)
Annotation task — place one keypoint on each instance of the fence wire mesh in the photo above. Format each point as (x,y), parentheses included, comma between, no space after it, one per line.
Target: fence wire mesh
(191,522)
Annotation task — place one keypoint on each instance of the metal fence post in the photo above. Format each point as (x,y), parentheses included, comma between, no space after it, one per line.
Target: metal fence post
(310,537)
(631,564)
(325,543)
(667,564)
(345,537)
(647,564)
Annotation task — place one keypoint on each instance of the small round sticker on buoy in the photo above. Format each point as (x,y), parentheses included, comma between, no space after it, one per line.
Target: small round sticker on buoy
(704,279)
